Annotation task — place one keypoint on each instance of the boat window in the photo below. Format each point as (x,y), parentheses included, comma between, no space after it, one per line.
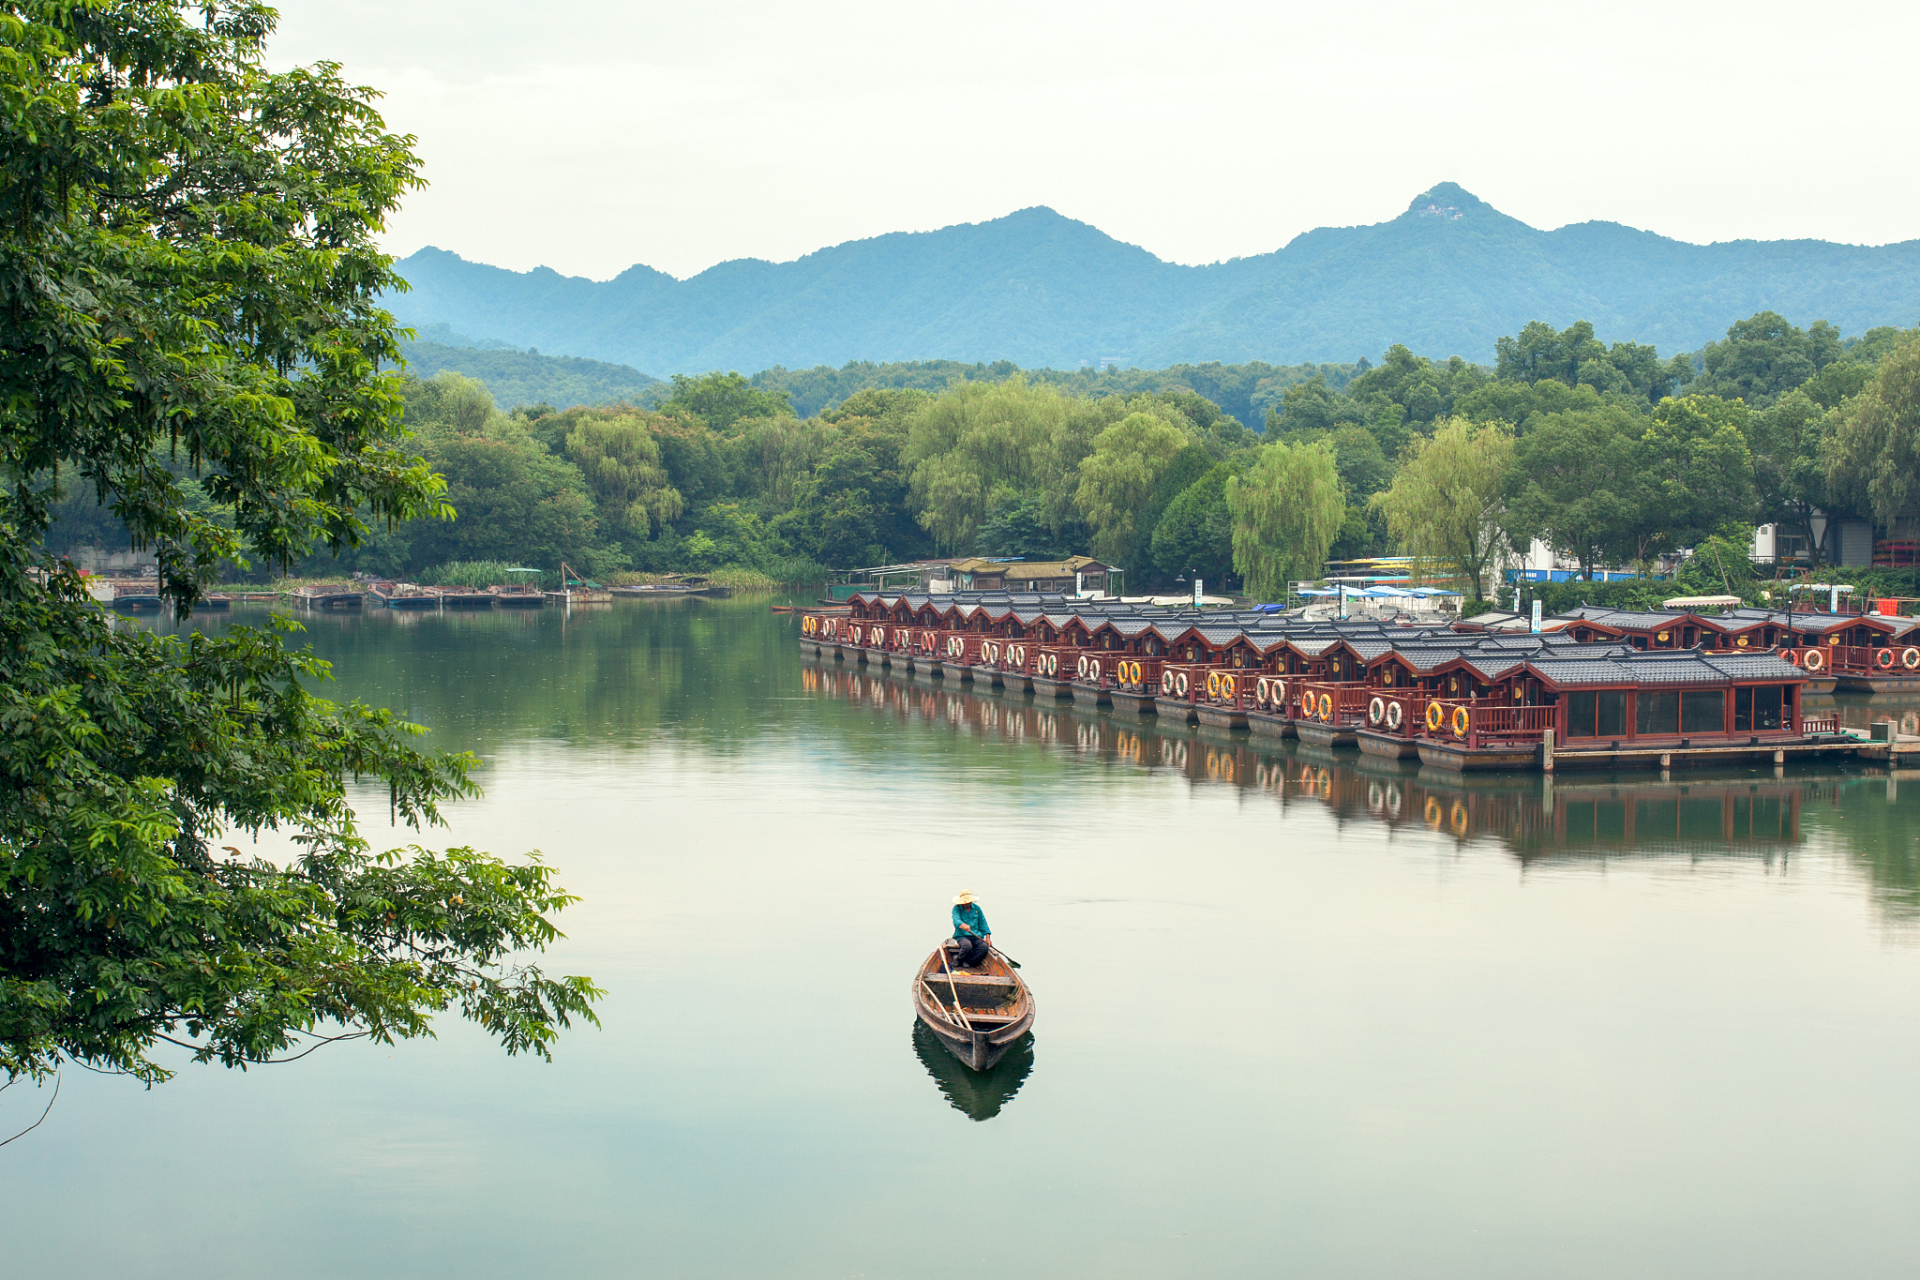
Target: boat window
(1597,715)
(1656,713)
(1703,711)
(1762,708)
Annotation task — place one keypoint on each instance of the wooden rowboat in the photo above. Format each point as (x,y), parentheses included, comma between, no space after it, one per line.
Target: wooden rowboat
(976,1013)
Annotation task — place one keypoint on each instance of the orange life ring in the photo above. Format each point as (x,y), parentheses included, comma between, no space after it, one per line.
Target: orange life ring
(1436,716)
(1326,707)
(1462,721)
(1883,659)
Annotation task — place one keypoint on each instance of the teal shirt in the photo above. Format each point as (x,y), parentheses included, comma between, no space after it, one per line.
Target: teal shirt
(970,920)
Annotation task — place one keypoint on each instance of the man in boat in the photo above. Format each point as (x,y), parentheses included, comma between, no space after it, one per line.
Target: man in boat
(972,939)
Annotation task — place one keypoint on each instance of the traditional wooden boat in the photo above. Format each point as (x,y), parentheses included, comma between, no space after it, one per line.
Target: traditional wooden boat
(976,1013)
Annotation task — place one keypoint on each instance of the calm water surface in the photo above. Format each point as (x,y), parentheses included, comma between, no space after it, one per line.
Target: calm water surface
(1298,1014)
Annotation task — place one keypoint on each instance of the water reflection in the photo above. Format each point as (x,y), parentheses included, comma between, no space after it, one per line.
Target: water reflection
(978,1094)
(1758,814)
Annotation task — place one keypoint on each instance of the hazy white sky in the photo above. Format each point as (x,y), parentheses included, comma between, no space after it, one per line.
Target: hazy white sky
(587,135)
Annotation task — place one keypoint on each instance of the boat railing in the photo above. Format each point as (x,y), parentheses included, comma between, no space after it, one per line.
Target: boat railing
(1398,711)
(1138,672)
(1229,687)
(1272,693)
(1185,680)
(1055,661)
(1485,722)
(1096,668)
(1819,726)
(1334,702)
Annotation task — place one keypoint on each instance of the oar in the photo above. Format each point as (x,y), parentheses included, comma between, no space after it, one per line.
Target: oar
(948,970)
(936,1002)
(1004,956)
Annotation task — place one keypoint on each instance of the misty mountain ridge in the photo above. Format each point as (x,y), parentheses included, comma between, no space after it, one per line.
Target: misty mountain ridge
(1449,276)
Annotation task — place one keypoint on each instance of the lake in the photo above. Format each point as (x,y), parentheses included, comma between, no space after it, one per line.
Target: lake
(1299,1013)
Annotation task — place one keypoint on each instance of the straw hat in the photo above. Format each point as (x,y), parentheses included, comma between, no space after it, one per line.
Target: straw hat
(963,899)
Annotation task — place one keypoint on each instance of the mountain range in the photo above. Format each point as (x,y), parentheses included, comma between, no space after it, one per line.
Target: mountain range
(1449,276)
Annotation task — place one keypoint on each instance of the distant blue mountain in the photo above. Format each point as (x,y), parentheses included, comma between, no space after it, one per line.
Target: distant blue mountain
(1447,277)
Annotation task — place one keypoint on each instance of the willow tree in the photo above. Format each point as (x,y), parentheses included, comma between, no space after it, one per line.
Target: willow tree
(1287,510)
(977,443)
(189,281)
(1873,457)
(620,461)
(1117,481)
(1448,498)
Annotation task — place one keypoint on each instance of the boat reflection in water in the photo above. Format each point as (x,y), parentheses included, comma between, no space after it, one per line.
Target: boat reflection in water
(1754,813)
(979,1094)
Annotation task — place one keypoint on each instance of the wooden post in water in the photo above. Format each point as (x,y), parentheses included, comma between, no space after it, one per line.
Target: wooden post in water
(1546,751)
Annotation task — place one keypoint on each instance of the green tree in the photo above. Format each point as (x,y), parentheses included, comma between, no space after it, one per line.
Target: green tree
(977,442)
(1449,498)
(1195,535)
(1577,483)
(1187,466)
(1789,470)
(190,268)
(515,502)
(1287,510)
(1695,459)
(1574,357)
(1117,480)
(620,463)
(1873,459)
(1764,357)
(719,400)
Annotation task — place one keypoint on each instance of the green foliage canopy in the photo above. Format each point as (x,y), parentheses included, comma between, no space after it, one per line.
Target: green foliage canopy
(1448,501)
(1287,510)
(188,267)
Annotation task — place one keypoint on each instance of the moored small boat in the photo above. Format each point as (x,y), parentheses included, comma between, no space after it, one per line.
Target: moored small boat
(329,595)
(403,595)
(976,1013)
(516,595)
(462,597)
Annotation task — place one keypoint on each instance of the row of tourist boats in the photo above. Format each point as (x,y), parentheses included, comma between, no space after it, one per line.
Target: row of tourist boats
(1594,687)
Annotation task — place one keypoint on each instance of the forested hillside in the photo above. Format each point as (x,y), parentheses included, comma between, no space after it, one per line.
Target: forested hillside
(518,377)
(1612,453)
(1447,277)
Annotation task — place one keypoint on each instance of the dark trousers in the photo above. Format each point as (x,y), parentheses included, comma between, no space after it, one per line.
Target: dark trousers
(969,952)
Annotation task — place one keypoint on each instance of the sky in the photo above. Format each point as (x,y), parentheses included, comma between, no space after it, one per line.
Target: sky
(590,135)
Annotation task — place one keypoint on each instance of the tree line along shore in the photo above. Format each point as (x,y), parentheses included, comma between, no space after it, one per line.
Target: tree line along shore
(1613,455)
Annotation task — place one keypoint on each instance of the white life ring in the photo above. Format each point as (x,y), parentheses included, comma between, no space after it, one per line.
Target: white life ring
(1814,659)
(1394,716)
(1181,684)
(1093,669)
(1910,659)
(1376,710)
